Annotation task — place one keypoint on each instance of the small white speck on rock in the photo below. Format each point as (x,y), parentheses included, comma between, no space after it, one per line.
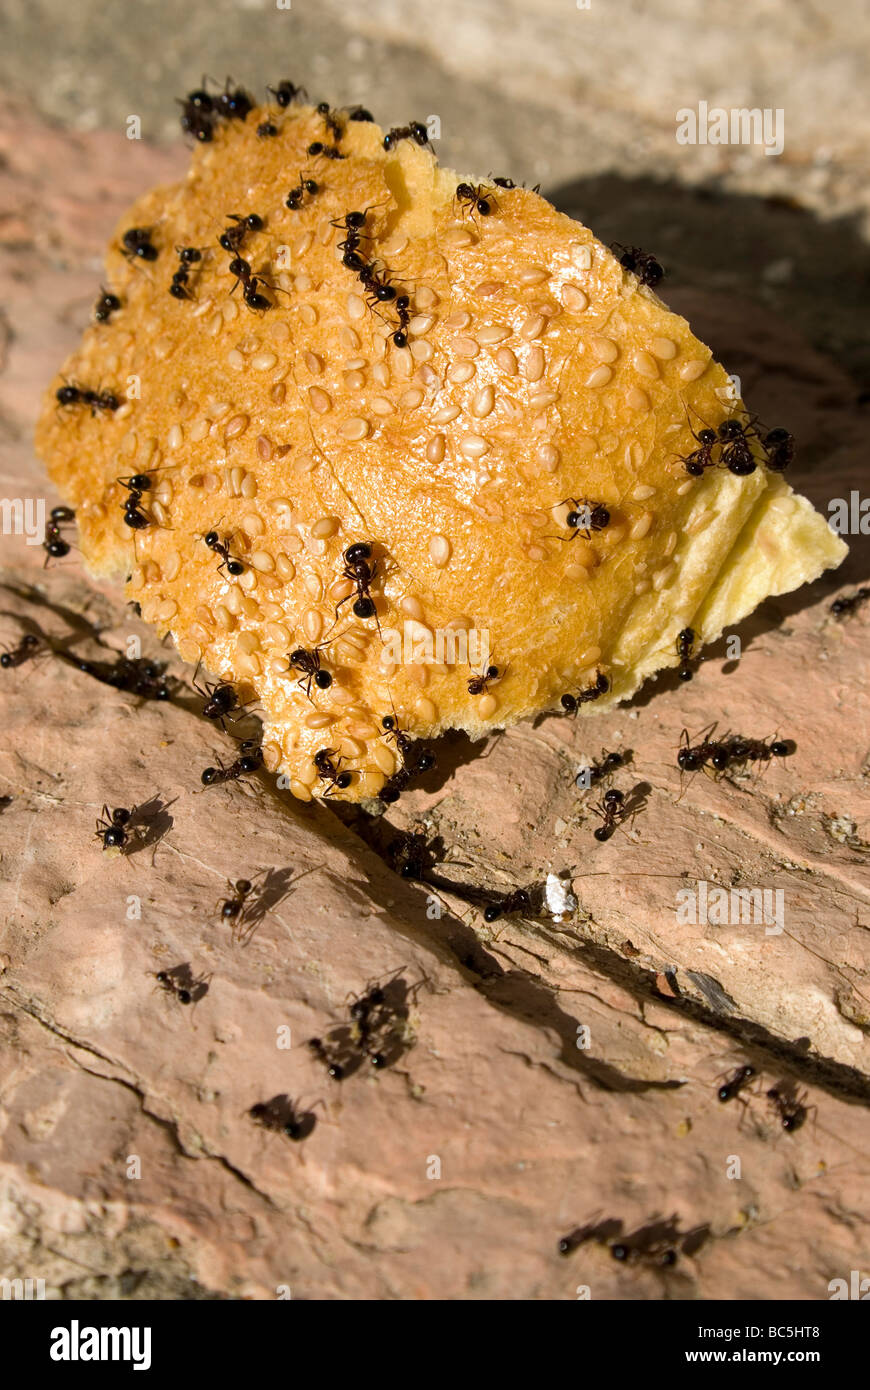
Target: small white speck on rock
(559,899)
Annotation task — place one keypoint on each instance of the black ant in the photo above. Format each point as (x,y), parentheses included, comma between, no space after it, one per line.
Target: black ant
(16,656)
(475,197)
(232,565)
(280,1114)
(359,113)
(640,263)
(685,646)
(394,786)
(585,517)
(692,757)
(517,901)
(106,305)
(318,150)
(737,1082)
(599,772)
(233,103)
(612,811)
(409,854)
(308,662)
(179,982)
(778,445)
(70,394)
(701,458)
(789,1105)
(757,750)
(197,115)
(330,1055)
(187,256)
(296,196)
(361,573)
(503,183)
(600,686)
(133,674)
(232,238)
(134,516)
(393,734)
(416,131)
(736,453)
(250,760)
(137,244)
(286,93)
(54,545)
(849,603)
(112,827)
(220,699)
(327,771)
(233,907)
(479,683)
(266,129)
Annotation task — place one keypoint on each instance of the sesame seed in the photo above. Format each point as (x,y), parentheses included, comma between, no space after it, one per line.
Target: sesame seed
(285,567)
(247,642)
(690,371)
(426,298)
(174,438)
(262,561)
(413,607)
(343,588)
(421,351)
(459,236)
(236,426)
(385,759)
(487,289)
(350,338)
(589,658)
(264,361)
(474,446)
(214,325)
(642,492)
(412,398)
(307,312)
(420,324)
(312,623)
(303,243)
(326,526)
(532,274)
(277,634)
(645,364)
(428,376)
(533,366)
(670,543)
(616,533)
(547,455)
(574,300)
(279,329)
(436,448)
(575,570)
(445,415)
(483,402)
(354,381)
(299,790)
(640,527)
(320,720)
(637,399)
(493,333)
(158,512)
(381,406)
(685,487)
(163,491)
(199,430)
(539,400)
(603,349)
(320,401)
(381,374)
(663,576)
(224,618)
(532,326)
(351,748)
(465,347)
(278,392)
(599,376)
(234,480)
(229,310)
(355,428)
(439,550)
(663,348)
(506,360)
(536,552)
(167,609)
(264,447)
(487,705)
(171,565)
(461,372)
(699,522)
(248,580)
(425,710)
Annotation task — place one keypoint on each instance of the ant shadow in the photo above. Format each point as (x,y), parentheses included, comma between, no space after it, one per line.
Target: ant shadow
(274,887)
(280,1114)
(152,818)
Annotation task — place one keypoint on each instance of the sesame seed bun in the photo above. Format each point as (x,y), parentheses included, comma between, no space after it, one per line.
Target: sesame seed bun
(539,377)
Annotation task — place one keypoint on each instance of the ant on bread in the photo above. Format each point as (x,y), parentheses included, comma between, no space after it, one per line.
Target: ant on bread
(220,699)
(70,394)
(416,131)
(479,683)
(187,257)
(308,662)
(296,196)
(136,244)
(584,518)
(778,445)
(134,516)
(232,238)
(327,771)
(474,197)
(600,686)
(358,569)
(228,562)
(287,92)
(106,305)
(640,263)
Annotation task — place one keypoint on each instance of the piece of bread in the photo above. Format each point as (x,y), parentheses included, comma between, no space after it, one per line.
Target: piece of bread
(539,376)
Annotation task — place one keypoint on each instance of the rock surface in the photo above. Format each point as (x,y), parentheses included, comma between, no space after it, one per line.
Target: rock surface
(453,1172)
